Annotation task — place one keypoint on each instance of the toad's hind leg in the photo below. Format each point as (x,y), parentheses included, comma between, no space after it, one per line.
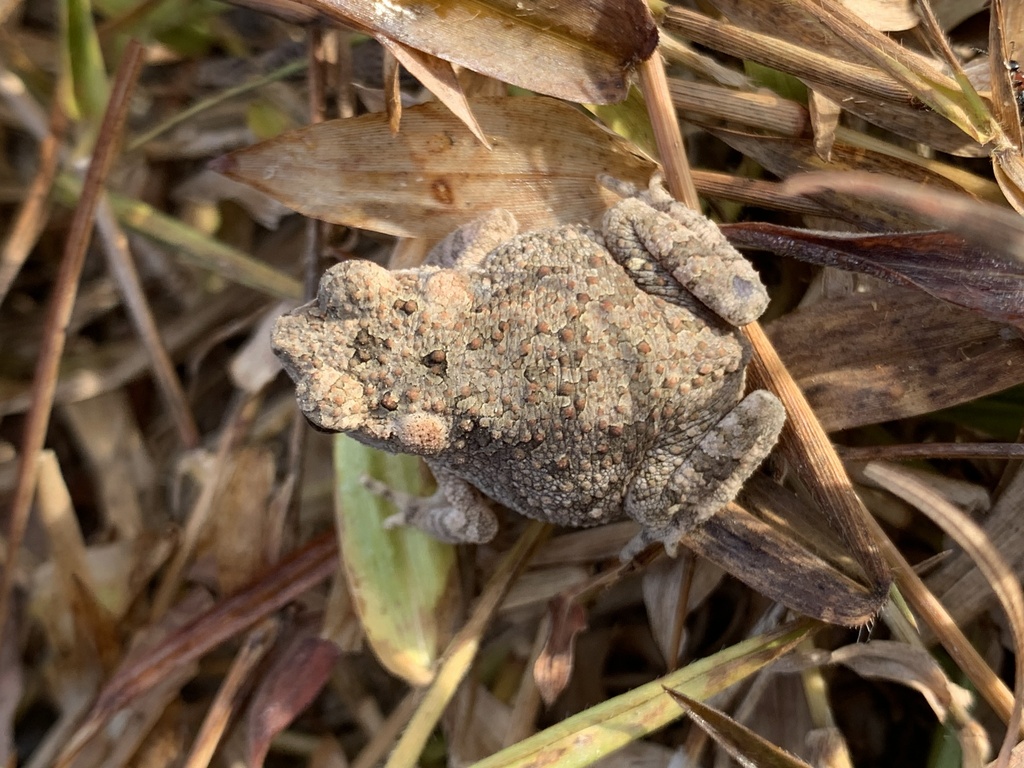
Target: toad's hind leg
(672,494)
(649,242)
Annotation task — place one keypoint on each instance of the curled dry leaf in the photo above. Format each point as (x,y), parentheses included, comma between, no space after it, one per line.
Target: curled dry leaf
(553,667)
(581,51)
(433,175)
(666,583)
(985,225)
(916,668)
(864,359)
(941,264)
(958,583)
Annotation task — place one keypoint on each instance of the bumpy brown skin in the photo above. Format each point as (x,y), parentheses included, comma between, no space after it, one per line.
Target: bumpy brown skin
(569,375)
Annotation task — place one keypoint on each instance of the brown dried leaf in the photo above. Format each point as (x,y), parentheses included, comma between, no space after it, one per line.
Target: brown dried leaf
(958,582)
(942,265)
(824,119)
(1008,168)
(743,745)
(297,676)
(108,435)
(776,566)
(885,15)
(11,685)
(913,667)
(830,64)
(865,359)
(553,667)
(434,176)
(437,75)
(581,51)
(668,581)
(1005,32)
(237,535)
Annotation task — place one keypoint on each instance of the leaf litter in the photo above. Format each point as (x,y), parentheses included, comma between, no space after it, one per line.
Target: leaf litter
(161,558)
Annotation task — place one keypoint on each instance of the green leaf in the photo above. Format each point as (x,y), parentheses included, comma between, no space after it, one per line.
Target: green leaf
(86,89)
(402,581)
(597,732)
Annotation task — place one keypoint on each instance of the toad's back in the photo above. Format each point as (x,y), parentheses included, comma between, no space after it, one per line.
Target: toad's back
(570,375)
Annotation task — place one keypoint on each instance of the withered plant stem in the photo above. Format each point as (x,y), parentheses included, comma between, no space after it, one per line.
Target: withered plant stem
(654,86)
(294,576)
(58,311)
(122,267)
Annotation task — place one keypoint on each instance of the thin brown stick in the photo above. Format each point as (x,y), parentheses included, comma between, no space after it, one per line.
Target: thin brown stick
(122,266)
(996,570)
(232,692)
(765,194)
(458,656)
(806,445)
(33,215)
(932,451)
(58,312)
(667,135)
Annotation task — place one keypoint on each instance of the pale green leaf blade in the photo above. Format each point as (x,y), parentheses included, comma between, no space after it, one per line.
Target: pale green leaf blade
(402,581)
(597,732)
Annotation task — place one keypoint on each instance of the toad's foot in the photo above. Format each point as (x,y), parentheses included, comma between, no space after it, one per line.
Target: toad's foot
(457,513)
(668,498)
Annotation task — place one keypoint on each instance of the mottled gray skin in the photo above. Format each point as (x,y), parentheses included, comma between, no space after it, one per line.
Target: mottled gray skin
(574,376)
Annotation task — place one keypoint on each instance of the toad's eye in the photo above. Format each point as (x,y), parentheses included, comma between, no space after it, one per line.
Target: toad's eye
(436,361)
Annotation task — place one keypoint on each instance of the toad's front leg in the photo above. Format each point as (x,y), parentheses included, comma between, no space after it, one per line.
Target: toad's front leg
(457,512)
(672,493)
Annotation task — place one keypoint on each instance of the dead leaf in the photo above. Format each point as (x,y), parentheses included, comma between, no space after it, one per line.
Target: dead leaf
(869,358)
(786,157)
(938,263)
(824,118)
(668,581)
(779,568)
(832,65)
(11,684)
(236,535)
(434,176)
(581,51)
(986,225)
(437,75)
(989,561)
(553,666)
